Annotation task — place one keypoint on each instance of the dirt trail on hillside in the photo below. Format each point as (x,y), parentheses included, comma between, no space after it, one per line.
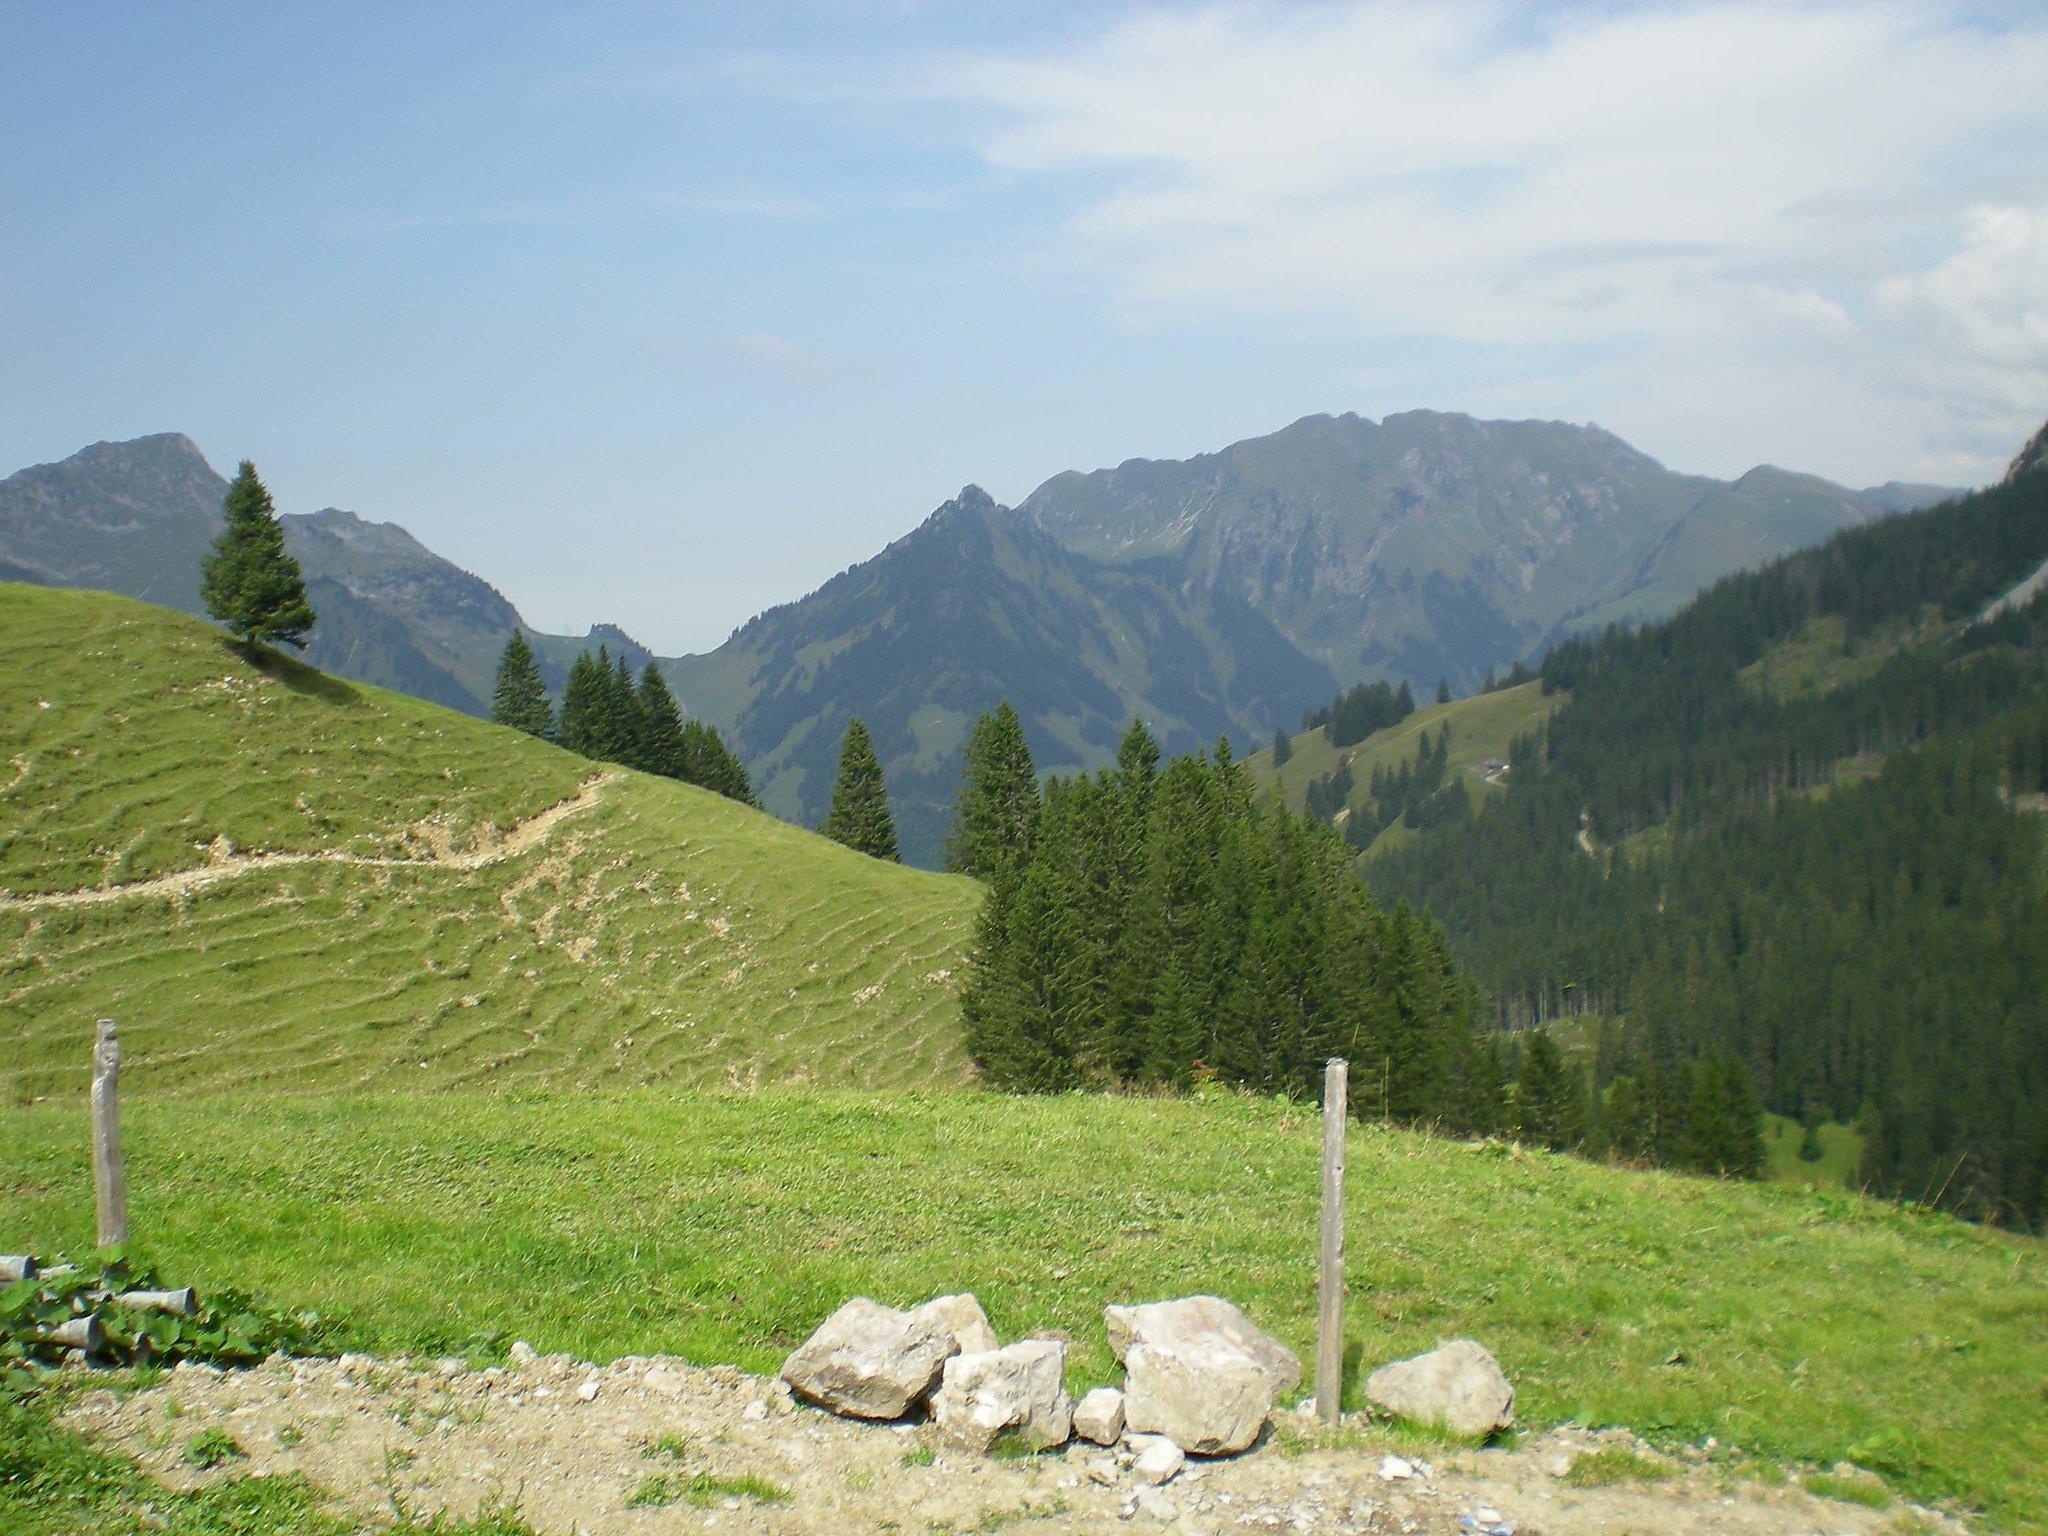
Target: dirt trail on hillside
(434,839)
(650,1446)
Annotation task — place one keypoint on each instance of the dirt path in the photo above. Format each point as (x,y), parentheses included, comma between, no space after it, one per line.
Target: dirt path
(434,840)
(649,1446)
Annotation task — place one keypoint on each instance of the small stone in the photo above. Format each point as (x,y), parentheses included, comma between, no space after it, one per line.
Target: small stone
(1557,1466)
(1395,1469)
(1102,1472)
(1159,1459)
(1154,1505)
(755,1411)
(522,1354)
(1100,1416)
(587,1393)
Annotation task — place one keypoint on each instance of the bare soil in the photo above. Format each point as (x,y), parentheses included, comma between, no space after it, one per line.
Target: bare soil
(572,1445)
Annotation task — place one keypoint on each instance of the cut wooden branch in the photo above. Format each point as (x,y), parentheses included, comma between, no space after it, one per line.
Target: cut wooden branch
(79,1333)
(182,1302)
(17,1266)
(1330,1286)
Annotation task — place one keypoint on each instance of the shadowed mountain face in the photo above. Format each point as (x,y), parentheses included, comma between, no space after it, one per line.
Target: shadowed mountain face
(1430,545)
(975,606)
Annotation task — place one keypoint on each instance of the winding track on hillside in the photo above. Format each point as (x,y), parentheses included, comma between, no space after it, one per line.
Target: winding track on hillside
(440,853)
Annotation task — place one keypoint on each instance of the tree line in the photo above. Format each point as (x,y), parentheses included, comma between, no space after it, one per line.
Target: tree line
(605,715)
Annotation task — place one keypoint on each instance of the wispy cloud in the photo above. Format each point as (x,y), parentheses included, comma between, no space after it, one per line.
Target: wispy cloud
(782,358)
(1713,189)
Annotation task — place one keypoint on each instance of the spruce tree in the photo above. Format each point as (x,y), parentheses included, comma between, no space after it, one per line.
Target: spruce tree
(520,699)
(1443,691)
(860,801)
(1283,748)
(583,704)
(247,580)
(661,726)
(710,764)
(998,805)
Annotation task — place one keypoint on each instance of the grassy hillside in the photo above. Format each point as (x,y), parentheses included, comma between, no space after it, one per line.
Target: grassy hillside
(1482,727)
(1788,1323)
(432,900)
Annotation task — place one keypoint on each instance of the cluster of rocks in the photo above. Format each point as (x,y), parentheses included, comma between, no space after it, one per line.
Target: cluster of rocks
(1199,1379)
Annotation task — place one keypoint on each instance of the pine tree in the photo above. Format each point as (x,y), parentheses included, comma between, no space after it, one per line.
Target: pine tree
(998,805)
(520,699)
(627,729)
(1726,1131)
(661,726)
(1283,748)
(1443,691)
(247,580)
(860,801)
(583,704)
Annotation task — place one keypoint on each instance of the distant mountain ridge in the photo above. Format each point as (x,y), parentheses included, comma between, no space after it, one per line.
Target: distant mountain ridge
(1216,595)
(135,517)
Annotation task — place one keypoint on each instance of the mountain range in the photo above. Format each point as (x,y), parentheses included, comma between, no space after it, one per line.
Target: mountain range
(1221,594)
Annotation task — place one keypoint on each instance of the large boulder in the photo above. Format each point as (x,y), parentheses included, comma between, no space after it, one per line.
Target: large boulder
(964,1319)
(1162,1322)
(869,1361)
(1199,1372)
(1019,1388)
(1459,1386)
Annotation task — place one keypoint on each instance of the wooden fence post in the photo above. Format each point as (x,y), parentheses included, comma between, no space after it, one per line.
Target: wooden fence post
(1330,1320)
(109,1180)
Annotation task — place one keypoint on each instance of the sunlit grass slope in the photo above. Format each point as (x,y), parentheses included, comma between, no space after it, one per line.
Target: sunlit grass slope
(654,933)
(1808,1325)
(1482,727)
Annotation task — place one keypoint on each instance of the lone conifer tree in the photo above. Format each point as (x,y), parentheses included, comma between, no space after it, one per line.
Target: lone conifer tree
(1443,690)
(247,580)
(521,698)
(860,802)
(1283,748)
(998,805)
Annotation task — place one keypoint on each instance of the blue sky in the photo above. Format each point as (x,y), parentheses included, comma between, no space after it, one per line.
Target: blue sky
(661,314)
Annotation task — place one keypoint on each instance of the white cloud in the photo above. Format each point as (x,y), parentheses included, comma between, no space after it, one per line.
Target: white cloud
(1744,193)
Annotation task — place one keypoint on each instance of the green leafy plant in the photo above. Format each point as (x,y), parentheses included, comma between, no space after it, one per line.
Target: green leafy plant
(213,1448)
(42,1317)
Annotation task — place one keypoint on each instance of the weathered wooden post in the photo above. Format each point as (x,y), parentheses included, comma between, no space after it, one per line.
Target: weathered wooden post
(1330,1321)
(109,1180)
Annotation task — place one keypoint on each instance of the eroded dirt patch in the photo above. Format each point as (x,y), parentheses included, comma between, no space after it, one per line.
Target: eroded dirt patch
(655,1445)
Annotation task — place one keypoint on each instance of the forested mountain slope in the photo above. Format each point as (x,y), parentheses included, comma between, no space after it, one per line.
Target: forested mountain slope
(276,879)
(1801,822)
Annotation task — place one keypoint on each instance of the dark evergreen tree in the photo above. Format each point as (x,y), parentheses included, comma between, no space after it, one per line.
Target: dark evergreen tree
(247,580)
(1548,1106)
(583,705)
(860,801)
(998,805)
(709,763)
(1443,691)
(520,699)
(661,727)
(1283,749)
(1725,1134)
